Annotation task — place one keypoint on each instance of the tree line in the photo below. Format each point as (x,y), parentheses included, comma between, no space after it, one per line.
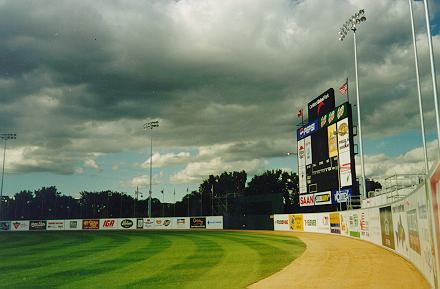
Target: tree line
(226,194)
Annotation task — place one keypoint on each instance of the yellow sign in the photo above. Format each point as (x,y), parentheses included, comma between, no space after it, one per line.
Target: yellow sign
(296,222)
(332,141)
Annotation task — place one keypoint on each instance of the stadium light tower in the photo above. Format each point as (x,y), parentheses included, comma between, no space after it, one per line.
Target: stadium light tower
(419,91)
(150,125)
(351,24)
(5,137)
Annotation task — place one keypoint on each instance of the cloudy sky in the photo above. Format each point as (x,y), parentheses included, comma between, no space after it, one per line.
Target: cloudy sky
(225,79)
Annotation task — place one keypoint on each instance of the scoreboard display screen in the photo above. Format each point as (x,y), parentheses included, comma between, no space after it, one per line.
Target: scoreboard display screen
(326,157)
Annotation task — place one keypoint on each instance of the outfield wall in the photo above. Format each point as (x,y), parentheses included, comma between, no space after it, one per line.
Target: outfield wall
(405,227)
(174,223)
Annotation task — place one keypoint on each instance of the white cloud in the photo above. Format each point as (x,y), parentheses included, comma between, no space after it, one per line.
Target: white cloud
(168,159)
(143,181)
(91,163)
(412,162)
(197,171)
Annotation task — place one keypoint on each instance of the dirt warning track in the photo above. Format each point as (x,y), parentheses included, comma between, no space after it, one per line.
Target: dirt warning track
(336,262)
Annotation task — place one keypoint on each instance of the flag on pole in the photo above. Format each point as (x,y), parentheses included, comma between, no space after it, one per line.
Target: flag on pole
(344,88)
(300,113)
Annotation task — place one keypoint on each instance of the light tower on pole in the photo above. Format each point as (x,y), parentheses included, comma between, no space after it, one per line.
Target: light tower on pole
(351,24)
(150,125)
(5,137)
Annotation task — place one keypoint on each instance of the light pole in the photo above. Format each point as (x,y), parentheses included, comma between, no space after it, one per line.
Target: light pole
(5,137)
(150,125)
(434,80)
(351,24)
(419,91)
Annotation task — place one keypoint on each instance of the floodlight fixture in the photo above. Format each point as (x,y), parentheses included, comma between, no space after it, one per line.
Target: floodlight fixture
(351,24)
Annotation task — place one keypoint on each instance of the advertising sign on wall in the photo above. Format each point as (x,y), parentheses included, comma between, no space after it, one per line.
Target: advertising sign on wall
(90,224)
(296,222)
(139,223)
(335,223)
(37,225)
(55,225)
(306,200)
(321,104)
(5,226)
(332,141)
(197,222)
(323,222)
(281,222)
(353,225)
(308,150)
(413,231)
(302,167)
(341,196)
(214,222)
(19,225)
(73,224)
(310,223)
(163,223)
(323,198)
(148,223)
(126,223)
(108,224)
(182,223)
(386,226)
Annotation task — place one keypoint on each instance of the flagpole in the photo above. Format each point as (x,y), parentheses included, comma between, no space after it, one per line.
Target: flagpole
(348,99)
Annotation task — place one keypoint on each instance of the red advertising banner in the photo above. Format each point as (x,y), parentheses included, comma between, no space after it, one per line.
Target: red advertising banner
(90,224)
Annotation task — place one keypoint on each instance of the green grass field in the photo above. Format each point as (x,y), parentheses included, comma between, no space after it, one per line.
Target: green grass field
(148,259)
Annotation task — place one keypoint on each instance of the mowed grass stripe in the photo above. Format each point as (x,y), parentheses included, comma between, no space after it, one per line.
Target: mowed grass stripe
(207,255)
(52,260)
(48,241)
(29,259)
(268,257)
(162,254)
(153,259)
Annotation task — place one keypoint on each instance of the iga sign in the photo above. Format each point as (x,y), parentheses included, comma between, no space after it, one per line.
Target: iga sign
(307,200)
(108,224)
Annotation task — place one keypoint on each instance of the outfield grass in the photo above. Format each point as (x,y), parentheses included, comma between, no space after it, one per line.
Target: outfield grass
(142,259)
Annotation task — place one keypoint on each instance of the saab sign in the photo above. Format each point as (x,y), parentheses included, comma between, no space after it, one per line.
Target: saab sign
(307,200)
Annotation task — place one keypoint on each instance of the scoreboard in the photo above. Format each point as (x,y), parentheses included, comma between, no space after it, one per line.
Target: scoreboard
(326,158)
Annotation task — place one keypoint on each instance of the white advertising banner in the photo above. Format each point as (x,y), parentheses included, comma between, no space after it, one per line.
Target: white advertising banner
(148,223)
(55,225)
(344,153)
(183,223)
(302,167)
(19,225)
(214,222)
(323,223)
(75,224)
(108,224)
(308,149)
(163,223)
(310,223)
(281,222)
(126,223)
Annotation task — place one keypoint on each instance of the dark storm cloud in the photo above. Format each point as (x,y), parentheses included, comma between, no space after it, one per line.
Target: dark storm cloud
(214,72)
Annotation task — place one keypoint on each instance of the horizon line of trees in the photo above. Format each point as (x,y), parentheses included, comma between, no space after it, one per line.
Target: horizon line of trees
(49,203)
(274,191)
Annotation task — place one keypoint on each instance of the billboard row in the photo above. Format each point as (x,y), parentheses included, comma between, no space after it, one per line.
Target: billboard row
(205,222)
(402,226)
